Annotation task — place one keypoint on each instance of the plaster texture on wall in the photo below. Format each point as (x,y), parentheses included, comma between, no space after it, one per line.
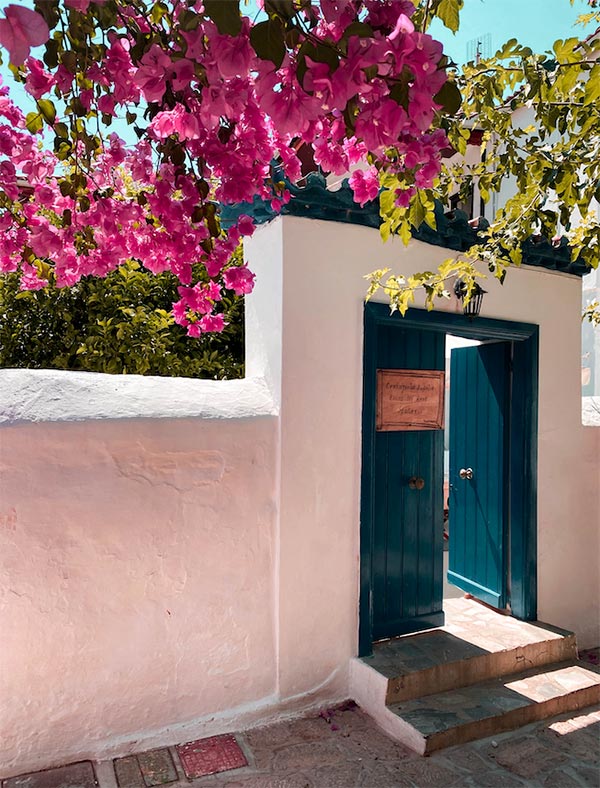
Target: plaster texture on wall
(136,582)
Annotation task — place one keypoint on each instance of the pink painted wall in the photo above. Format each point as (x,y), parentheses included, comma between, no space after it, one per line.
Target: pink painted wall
(136,582)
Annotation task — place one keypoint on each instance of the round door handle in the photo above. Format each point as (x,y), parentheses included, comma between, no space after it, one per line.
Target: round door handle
(416,483)
(466,473)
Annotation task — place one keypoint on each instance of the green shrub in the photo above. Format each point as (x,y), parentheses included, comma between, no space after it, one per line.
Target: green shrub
(120,324)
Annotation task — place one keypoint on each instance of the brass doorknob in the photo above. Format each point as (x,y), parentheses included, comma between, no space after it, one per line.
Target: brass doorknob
(416,483)
(466,473)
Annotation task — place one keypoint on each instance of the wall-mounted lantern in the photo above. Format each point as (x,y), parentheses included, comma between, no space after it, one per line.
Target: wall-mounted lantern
(473,307)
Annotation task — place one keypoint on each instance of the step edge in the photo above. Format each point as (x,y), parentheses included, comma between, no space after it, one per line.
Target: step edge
(548,657)
(524,674)
(511,719)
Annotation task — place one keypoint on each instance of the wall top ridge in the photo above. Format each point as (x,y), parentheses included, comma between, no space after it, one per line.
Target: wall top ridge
(454,231)
(43,395)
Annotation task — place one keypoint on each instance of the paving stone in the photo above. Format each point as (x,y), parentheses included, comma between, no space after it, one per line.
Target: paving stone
(128,773)
(494,779)
(300,757)
(157,767)
(573,742)
(75,775)
(588,775)
(341,775)
(527,757)
(379,774)
(211,755)
(464,758)
(262,781)
(425,772)
(560,778)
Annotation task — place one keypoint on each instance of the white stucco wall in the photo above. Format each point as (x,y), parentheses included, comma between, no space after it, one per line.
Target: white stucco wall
(180,558)
(136,583)
(323,292)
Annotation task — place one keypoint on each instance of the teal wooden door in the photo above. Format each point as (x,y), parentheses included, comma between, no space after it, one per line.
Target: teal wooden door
(479,450)
(407,571)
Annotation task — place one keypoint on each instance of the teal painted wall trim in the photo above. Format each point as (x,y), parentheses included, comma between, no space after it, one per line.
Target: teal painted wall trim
(453,231)
(524,440)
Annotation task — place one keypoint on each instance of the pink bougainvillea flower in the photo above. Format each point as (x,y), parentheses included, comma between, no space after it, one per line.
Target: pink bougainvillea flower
(176,121)
(82,5)
(20,30)
(212,323)
(150,76)
(365,185)
(245,225)
(39,81)
(239,279)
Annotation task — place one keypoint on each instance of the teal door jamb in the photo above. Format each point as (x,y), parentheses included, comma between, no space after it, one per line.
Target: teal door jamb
(523,448)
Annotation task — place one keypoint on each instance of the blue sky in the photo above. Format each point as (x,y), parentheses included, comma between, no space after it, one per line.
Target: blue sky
(535,23)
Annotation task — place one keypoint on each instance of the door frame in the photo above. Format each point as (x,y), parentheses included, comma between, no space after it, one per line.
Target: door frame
(523,448)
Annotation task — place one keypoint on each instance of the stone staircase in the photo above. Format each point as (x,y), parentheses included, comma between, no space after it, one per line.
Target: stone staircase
(480,674)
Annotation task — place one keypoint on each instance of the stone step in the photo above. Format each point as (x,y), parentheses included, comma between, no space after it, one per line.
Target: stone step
(476,645)
(484,709)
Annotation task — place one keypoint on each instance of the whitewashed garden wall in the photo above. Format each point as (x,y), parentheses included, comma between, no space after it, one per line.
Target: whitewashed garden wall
(180,558)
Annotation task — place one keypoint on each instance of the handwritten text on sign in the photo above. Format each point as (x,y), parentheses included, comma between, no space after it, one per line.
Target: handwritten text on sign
(410,399)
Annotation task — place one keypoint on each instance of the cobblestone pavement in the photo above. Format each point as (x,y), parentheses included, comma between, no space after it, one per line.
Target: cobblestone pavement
(343,748)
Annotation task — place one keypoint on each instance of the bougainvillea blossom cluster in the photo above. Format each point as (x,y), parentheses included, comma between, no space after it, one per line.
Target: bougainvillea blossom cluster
(216,100)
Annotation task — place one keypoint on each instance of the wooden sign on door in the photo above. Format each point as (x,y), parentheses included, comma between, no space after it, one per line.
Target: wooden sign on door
(410,399)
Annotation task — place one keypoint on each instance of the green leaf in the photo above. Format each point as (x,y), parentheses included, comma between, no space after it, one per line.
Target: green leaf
(448,11)
(34,122)
(61,131)
(188,20)
(449,97)
(360,29)
(592,86)
(281,8)
(51,54)
(225,14)
(417,212)
(48,110)
(566,51)
(267,39)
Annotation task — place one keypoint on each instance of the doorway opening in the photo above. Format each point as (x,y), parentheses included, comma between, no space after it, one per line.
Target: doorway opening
(450,591)
(480,471)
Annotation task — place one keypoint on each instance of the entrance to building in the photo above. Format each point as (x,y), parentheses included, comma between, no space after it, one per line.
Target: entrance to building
(488,489)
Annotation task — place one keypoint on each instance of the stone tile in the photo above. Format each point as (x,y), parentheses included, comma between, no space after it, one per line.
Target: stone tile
(75,775)
(261,781)
(588,775)
(128,772)
(496,779)
(527,757)
(372,743)
(463,758)
(302,757)
(560,778)
(211,755)
(341,775)
(573,742)
(379,774)
(427,772)
(157,767)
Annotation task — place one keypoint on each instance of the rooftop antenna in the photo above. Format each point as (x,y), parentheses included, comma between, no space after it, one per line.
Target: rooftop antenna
(479,48)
